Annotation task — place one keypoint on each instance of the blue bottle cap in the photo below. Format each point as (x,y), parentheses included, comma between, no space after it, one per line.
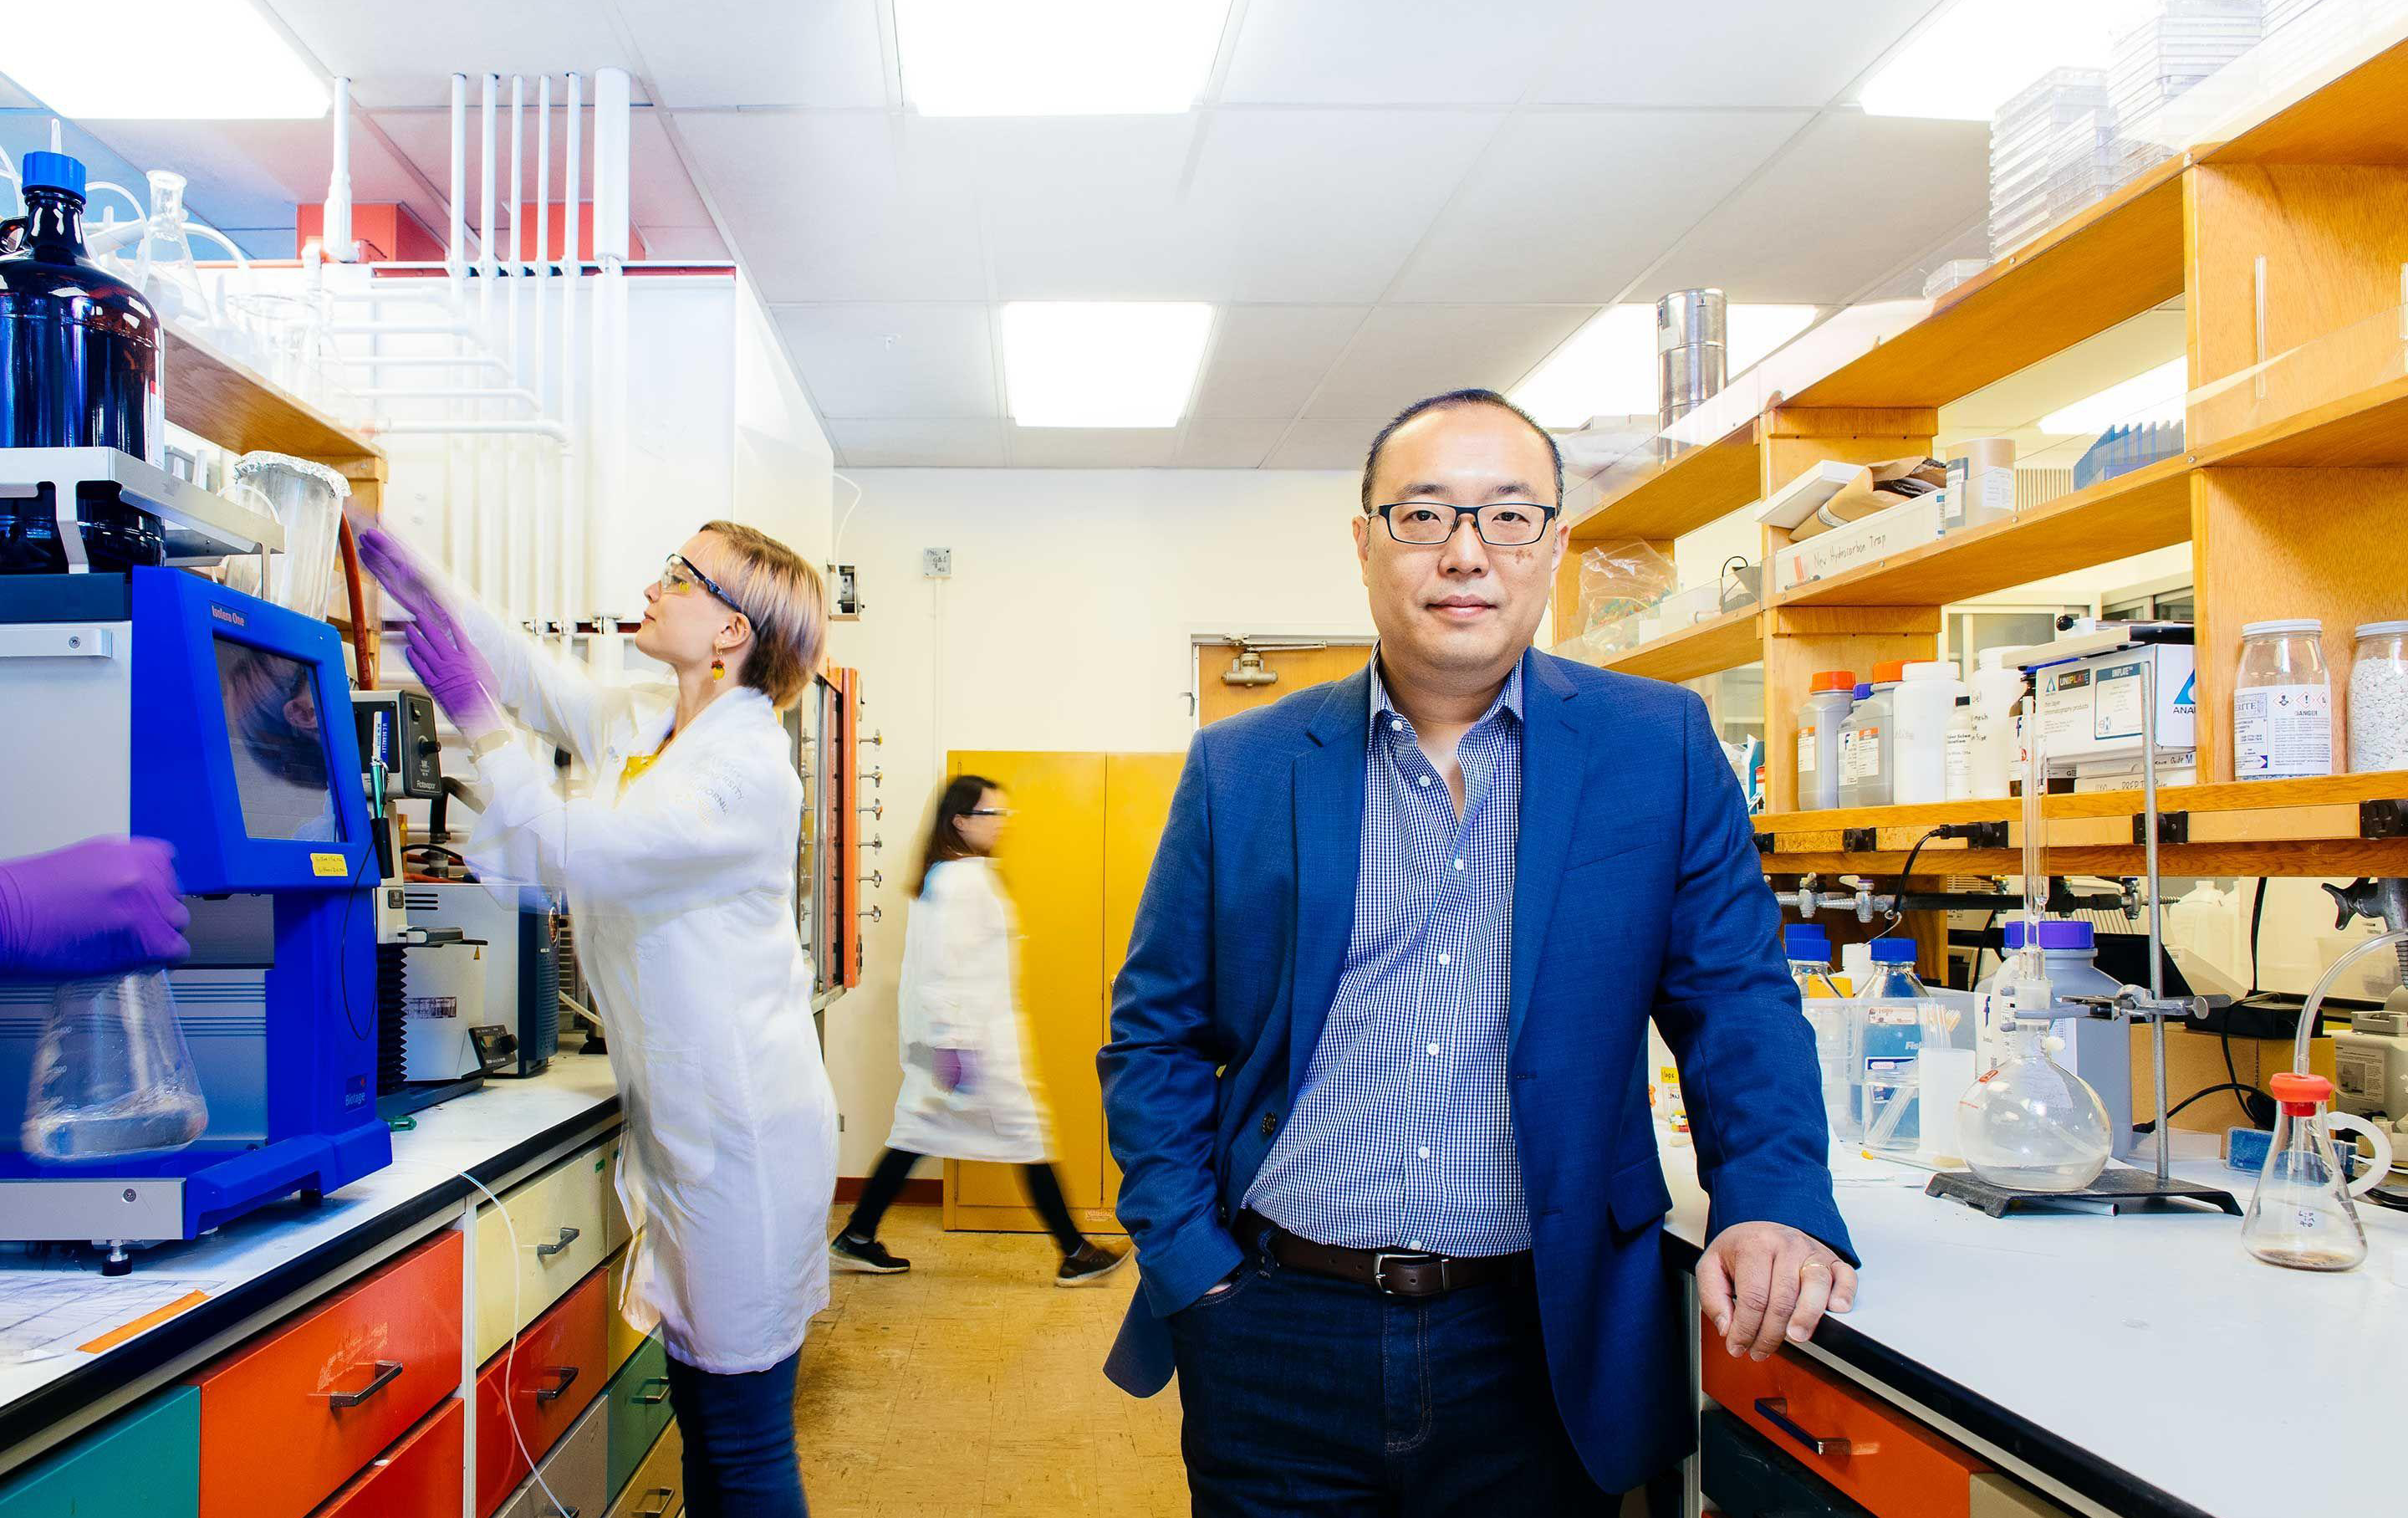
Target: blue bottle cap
(1892,951)
(1863,690)
(2053,934)
(53,171)
(1806,941)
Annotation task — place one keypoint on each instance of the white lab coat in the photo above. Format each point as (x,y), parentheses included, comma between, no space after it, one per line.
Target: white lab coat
(957,993)
(680,892)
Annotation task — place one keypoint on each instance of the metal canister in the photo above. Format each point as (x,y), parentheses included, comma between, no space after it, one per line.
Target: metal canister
(1690,362)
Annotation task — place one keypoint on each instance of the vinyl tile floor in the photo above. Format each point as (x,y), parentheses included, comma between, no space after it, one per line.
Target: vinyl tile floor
(972,1387)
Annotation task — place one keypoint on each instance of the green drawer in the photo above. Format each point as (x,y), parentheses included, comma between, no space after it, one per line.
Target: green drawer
(640,1409)
(147,1461)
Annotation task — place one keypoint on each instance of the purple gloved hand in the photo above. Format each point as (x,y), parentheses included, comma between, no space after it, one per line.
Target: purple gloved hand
(456,675)
(405,577)
(955,1071)
(92,908)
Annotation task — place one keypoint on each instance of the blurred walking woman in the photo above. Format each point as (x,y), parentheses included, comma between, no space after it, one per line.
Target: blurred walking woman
(965,1094)
(678,868)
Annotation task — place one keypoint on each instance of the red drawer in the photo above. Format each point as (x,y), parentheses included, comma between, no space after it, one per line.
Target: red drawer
(418,1478)
(557,1370)
(296,1413)
(1875,1452)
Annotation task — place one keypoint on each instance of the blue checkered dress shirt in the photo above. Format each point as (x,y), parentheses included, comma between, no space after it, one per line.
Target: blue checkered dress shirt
(1403,1136)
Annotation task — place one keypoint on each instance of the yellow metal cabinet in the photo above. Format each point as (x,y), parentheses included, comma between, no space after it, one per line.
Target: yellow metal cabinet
(558,1220)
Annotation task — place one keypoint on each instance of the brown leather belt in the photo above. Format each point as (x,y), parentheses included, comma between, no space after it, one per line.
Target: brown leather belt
(1411,1273)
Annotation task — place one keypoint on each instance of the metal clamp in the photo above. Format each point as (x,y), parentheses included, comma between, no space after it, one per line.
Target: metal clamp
(387,1372)
(568,1375)
(646,1397)
(567,1235)
(1775,1411)
(2140,1006)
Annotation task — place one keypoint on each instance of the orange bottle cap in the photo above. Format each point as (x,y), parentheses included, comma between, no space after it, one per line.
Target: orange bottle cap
(1889,672)
(1835,680)
(2291,1086)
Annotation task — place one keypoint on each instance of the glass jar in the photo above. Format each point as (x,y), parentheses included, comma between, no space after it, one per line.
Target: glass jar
(2282,703)
(2378,699)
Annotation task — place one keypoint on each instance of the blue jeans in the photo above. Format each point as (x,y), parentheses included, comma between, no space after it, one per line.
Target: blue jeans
(740,1441)
(1305,1395)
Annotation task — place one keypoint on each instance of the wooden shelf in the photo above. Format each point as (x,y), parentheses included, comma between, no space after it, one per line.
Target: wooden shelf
(1692,489)
(2131,514)
(232,405)
(2104,265)
(2226,797)
(2369,429)
(1720,642)
(2359,118)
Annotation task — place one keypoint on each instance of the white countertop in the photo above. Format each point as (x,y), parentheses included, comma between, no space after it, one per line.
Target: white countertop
(461,1134)
(2153,1340)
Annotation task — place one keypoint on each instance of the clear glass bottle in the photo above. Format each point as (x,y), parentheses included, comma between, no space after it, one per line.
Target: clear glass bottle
(1809,950)
(1889,1016)
(2378,699)
(112,1075)
(2301,1214)
(2282,703)
(2030,1124)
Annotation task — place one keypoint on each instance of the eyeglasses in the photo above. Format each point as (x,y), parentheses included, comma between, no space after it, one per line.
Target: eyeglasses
(988,811)
(678,577)
(1502,524)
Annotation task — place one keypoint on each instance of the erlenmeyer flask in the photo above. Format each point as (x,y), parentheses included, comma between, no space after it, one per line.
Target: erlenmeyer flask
(2302,1215)
(111,1075)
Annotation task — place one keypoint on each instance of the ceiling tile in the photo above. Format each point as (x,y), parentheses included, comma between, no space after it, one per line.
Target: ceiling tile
(1267,359)
(253,173)
(1733,52)
(922,359)
(405,55)
(1570,206)
(837,205)
(1390,51)
(964,442)
(1405,352)
(824,53)
(1090,207)
(1211,443)
(1850,198)
(1324,445)
(1082,448)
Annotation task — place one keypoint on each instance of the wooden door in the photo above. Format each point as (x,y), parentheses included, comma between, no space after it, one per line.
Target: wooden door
(1299,669)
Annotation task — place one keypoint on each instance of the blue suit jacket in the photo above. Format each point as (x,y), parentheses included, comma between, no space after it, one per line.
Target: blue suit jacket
(1637,893)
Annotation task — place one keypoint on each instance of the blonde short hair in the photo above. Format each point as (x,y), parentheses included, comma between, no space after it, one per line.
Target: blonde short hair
(785,600)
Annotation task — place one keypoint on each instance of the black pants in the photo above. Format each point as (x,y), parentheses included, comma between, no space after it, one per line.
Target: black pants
(895,1166)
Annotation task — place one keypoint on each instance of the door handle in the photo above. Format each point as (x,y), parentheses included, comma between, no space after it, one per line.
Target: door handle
(646,1397)
(387,1372)
(568,1375)
(1775,1411)
(567,1235)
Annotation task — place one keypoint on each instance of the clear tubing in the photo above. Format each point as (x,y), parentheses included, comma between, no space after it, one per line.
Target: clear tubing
(2314,1008)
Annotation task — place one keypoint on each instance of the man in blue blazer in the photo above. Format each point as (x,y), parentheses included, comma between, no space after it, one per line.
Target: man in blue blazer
(1376,1081)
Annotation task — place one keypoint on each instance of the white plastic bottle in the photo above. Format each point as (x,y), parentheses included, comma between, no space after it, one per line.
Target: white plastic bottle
(1922,704)
(1868,741)
(1961,750)
(1995,749)
(1820,718)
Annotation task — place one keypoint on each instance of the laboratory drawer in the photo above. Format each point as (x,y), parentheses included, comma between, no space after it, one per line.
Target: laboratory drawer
(615,1230)
(658,1490)
(557,1216)
(625,1337)
(555,1373)
(572,1474)
(1876,1454)
(418,1478)
(146,1461)
(330,1388)
(640,1409)
(1743,1476)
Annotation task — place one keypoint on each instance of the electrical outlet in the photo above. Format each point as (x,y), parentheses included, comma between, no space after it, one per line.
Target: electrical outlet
(936,563)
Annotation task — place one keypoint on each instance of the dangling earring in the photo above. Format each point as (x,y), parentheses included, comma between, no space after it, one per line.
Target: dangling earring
(718,669)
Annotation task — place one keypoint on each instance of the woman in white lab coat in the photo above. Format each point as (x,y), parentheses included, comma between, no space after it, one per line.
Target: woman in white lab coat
(678,863)
(965,1095)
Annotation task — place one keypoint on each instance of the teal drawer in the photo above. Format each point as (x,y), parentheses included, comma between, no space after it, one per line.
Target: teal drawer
(640,1409)
(147,1461)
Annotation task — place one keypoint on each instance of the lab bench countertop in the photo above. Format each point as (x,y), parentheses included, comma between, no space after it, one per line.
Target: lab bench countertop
(260,1266)
(2144,1364)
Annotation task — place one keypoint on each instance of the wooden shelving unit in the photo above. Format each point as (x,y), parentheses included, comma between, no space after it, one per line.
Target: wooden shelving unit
(1708,647)
(1681,494)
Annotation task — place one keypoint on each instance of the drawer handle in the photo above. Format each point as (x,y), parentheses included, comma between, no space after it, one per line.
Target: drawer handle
(667,1494)
(647,1398)
(387,1372)
(568,1375)
(567,1236)
(1775,1411)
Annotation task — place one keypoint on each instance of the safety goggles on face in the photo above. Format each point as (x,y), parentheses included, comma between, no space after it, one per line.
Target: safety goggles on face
(678,577)
(990,811)
(1503,524)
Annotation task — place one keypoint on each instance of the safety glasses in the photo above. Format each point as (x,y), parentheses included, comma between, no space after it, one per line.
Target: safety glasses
(678,577)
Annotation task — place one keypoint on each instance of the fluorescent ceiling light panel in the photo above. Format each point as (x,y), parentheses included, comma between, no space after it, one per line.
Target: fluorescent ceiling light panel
(1109,362)
(1608,367)
(1982,54)
(2155,396)
(160,60)
(1056,57)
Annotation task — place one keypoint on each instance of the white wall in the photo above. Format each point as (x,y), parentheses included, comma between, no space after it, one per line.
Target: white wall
(1064,627)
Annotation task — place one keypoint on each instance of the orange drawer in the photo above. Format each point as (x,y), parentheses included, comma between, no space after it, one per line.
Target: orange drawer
(418,1478)
(1878,1455)
(329,1389)
(557,1370)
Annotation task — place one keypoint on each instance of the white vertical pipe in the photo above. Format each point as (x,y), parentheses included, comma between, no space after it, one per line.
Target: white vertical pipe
(613,118)
(613,112)
(455,265)
(572,505)
(517,552)
(334,230)
(481,448)
(547,543)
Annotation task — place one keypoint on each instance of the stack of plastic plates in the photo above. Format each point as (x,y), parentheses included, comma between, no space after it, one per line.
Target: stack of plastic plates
(2162,58)
(2055,140)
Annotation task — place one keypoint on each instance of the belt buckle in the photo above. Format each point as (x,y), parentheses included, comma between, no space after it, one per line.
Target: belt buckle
(1380,1260)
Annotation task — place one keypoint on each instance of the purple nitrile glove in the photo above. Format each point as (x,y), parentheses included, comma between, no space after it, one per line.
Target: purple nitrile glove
(957,1071)
(92,908)
(456,675)
(405,576)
